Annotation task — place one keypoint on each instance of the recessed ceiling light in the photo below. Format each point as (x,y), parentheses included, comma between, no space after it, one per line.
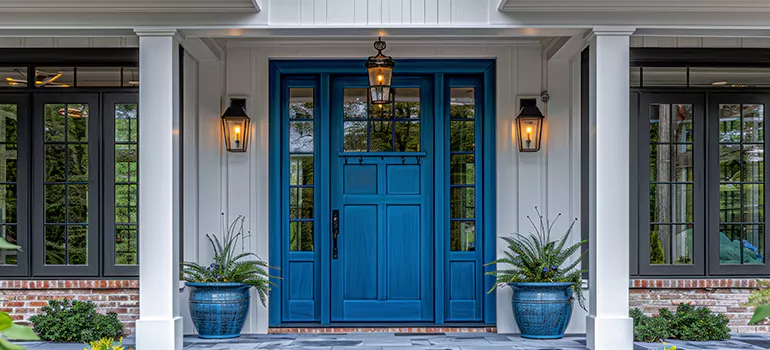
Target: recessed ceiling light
(719,83)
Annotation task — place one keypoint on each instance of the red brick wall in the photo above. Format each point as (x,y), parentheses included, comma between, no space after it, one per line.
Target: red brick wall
(720,295)
(23,299)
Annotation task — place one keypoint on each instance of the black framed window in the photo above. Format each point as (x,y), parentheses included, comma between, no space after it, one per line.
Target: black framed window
(14,175)
(738,166)
(65,161)
(671,154)
(69,162)
(121,184)
(702,206)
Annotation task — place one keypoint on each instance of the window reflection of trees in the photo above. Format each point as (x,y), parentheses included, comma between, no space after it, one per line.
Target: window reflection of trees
(383,128)
(66,184)
(462,169)
(126,150)
(301,169)
(8,180)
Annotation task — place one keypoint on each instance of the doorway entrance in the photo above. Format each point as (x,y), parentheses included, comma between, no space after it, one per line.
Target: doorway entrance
(382,210)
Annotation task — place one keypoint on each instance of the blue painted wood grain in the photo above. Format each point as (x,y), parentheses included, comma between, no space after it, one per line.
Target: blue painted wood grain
(393,283)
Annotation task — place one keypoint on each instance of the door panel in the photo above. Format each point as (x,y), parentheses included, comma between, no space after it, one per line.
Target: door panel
(382,270)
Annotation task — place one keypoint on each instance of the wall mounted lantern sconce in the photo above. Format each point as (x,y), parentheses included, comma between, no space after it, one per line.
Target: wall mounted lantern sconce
(236,125)
(380,69)
(530,123)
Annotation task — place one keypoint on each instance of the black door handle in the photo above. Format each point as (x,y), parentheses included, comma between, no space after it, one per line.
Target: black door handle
(335,231)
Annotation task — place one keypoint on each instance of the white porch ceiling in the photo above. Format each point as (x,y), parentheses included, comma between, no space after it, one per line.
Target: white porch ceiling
(176,6)
(634,5)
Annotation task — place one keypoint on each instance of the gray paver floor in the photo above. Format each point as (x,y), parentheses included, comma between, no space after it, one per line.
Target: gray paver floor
(448,341)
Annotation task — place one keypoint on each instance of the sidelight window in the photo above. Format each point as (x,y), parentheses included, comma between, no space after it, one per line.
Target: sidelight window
(462,169)
(301,169)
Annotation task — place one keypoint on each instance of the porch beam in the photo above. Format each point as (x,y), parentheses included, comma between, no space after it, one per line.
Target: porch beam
(608,325)
(160,324)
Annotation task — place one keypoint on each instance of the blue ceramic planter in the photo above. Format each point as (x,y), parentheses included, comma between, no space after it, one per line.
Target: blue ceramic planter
(542,310)
(218,309)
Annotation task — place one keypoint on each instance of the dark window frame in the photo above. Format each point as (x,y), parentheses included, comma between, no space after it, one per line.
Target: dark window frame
(27,98)
(714,265)
(110,268)
(22,267)
(39,267)
(669,57)
(701,230)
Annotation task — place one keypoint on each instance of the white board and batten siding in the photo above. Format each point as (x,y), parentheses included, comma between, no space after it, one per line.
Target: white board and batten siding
(375,12)
(523,179)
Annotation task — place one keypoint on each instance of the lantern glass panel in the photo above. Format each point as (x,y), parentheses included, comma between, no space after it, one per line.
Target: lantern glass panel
(380,94)
(529,133)
(236,133)
(380,76)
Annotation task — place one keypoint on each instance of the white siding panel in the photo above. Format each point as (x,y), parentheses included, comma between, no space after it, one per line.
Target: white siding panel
(393,12)
(374,12)
(340,11)
(418,11)
(469,11)
(361,11)
(444,12)
(306,12)
(285,12)
(320,11)
(507,181)
(431,11)
(522,180)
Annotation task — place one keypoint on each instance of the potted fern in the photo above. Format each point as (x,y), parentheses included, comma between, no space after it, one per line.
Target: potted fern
(544,281)
(219,293)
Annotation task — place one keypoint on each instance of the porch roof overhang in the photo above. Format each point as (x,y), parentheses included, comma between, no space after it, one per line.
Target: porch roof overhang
(634,5)
(142,6)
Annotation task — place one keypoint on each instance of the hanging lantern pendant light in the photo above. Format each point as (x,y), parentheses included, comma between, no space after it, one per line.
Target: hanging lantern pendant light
(380,69)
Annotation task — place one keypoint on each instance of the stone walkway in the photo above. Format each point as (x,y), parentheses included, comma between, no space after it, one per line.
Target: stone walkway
(448,341)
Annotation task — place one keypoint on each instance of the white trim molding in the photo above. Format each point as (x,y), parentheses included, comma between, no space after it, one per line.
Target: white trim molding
(633,5)
(174,6)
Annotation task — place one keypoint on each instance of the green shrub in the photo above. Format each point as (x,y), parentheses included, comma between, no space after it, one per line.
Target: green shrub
(688,323)
(699,324)
(650,329)
(75,321)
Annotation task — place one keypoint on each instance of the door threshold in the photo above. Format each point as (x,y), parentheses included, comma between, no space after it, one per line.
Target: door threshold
(398,329)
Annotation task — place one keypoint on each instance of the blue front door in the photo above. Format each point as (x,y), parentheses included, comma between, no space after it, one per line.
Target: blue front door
(382,214)
(381,191)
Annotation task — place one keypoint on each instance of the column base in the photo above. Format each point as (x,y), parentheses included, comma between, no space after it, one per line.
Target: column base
(159,334)
(609,333)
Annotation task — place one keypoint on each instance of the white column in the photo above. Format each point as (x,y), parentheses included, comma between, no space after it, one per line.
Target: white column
(608,325)
(159,325)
